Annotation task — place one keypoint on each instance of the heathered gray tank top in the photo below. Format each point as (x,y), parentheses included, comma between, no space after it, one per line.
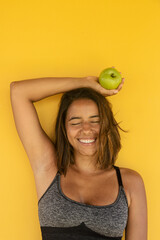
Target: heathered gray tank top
(63,218)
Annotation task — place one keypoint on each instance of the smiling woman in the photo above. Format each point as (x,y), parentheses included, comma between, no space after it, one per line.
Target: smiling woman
(86,115)
(82,130)
(81,193)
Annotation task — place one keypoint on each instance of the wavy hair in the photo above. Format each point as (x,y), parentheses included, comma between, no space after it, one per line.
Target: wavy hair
(109,136)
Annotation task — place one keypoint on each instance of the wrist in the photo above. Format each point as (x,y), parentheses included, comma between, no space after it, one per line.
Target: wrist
(86,82)
(81,82)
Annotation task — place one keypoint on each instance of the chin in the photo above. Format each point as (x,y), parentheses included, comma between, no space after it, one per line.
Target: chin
(89,154)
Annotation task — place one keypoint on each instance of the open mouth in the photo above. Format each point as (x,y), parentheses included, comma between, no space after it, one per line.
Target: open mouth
(87,141)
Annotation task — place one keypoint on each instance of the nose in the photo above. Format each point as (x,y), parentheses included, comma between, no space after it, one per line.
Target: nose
(86,127)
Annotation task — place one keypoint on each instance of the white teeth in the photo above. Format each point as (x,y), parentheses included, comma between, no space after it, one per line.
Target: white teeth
(86,141)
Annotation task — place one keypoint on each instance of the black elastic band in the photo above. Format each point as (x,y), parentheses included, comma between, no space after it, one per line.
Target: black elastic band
(118,175)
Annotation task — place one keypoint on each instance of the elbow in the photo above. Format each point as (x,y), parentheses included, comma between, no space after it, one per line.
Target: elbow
(12,85)
(13,88)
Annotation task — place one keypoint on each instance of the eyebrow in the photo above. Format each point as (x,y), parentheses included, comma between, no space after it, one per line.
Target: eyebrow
(94,116)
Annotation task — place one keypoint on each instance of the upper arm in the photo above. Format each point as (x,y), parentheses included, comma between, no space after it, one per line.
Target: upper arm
(137,219)
(38,146)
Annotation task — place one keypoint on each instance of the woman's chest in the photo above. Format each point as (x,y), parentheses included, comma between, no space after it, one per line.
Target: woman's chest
(93,191)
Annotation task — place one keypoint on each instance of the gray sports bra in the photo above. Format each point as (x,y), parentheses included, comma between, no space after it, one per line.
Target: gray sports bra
(63,218)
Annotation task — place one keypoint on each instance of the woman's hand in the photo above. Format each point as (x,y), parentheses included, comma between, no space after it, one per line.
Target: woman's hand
(93,82)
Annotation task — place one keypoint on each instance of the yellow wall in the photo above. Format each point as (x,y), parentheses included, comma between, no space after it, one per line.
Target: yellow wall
(79,38)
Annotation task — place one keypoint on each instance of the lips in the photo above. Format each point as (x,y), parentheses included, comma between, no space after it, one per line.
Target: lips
(87,141)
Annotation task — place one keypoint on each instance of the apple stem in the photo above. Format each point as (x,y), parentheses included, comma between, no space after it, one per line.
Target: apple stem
(112,75)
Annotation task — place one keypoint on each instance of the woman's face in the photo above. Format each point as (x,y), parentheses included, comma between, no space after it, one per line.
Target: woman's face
(83,126)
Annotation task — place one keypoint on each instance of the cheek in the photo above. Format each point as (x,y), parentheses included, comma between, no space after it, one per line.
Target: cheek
(71,133)
(97,129)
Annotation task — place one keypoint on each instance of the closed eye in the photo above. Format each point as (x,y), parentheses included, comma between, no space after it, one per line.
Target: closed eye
(80,123)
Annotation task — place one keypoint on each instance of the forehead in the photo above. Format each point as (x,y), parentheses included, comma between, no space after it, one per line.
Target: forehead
(82,106)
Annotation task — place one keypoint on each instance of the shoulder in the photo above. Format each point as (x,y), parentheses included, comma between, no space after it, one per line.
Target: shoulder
(132,181)
(131,175)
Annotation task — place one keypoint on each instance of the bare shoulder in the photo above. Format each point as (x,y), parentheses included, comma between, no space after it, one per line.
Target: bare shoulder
(132,182)
(131,175)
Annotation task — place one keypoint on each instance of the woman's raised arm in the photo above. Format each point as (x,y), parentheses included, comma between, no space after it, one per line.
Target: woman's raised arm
(38,146)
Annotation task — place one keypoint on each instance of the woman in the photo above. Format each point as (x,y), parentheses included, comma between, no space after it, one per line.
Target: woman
(81,193)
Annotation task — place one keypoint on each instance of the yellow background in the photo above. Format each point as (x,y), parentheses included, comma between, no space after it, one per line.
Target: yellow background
(77,38)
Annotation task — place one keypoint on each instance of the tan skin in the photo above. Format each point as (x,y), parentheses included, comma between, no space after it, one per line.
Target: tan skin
(83,183)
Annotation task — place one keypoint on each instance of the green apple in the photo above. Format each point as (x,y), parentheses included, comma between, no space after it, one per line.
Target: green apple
(110,78)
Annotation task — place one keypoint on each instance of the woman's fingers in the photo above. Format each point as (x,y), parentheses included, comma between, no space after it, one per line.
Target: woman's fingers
(111,92)
(94,83)
(106,92)
(120,85)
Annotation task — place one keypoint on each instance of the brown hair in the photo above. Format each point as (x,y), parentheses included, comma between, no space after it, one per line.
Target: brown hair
(109,137)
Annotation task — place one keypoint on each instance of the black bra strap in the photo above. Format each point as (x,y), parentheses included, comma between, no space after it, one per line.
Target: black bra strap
(118,175)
